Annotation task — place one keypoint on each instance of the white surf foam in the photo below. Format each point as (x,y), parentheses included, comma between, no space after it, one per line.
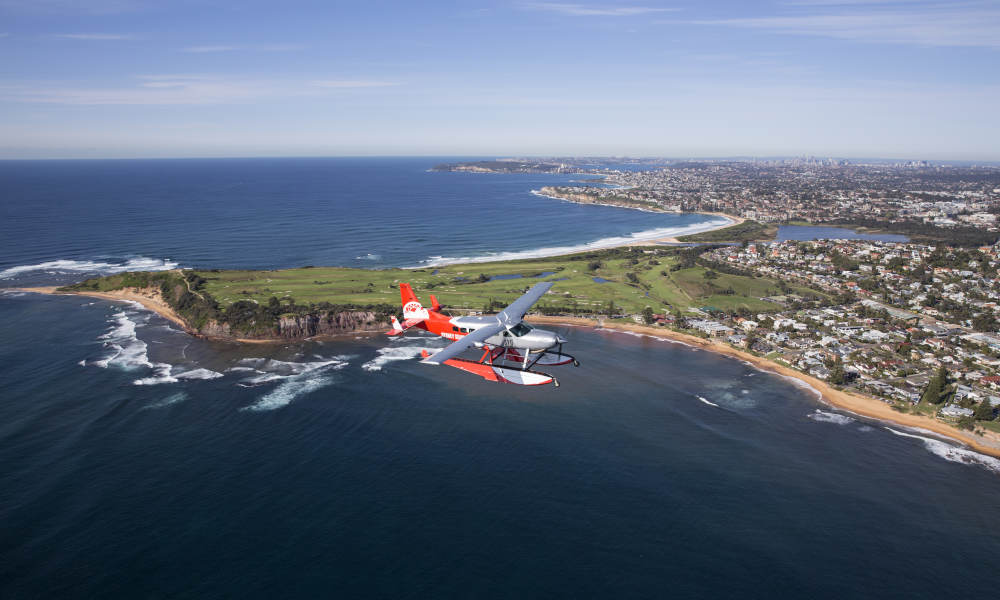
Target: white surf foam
(126,350)
(392,354)
(63,266)
(285,368)
(296,378)
(293,386)
(801,384)
(706,401)
(650,336)
(608,242)
(261,379)
(199,373)
(952,453)
(830,417)
(161,374)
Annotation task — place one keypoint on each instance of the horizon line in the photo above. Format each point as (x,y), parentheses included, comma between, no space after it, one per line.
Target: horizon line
(510,156)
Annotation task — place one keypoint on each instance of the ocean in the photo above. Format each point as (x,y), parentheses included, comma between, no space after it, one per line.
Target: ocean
(137,461)
(70,217)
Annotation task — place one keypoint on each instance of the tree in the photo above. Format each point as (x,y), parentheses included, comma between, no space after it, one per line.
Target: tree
(647,316)
(984,412)
(710,274)
(984,322)
(934,393)
(837,375)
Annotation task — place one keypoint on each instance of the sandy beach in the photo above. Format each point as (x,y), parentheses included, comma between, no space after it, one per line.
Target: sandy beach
(734,220)
(866,406)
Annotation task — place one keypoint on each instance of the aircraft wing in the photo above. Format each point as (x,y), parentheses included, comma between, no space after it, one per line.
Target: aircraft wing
(464,343)
(513,314)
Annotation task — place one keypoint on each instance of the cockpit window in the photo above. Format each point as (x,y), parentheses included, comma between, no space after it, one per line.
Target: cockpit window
(520,329)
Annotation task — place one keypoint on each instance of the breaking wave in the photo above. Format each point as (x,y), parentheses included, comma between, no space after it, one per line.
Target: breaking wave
(707,401)
(66,266)
(126,350)
(800,384)
(608,242)
(952,453)
(391,354)
(163,373)
(830,417)
(297,378)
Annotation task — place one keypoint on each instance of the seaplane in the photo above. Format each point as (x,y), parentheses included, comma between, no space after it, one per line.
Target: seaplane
(510,348)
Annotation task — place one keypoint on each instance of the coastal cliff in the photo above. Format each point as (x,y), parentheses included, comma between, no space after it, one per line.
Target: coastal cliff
(300,327)
(179,297)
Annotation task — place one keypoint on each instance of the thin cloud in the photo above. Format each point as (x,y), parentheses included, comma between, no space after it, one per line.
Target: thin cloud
(93,7)
(933,25)
(844,2)
(589,10)
(254,48)
(202,49)
(349,83)
(164,90)
(95,37)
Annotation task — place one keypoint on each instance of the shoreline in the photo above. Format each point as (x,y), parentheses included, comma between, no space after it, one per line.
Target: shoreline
(620,242)
(734,220)
(864,406)
(149,302)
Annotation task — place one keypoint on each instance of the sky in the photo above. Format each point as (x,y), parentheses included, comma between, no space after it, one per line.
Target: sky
(199,78)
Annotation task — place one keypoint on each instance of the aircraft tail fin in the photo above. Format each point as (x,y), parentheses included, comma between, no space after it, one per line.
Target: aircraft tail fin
(435,305)
(406,294)
(412,308)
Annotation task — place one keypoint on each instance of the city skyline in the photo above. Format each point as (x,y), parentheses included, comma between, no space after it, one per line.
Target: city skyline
(849,78)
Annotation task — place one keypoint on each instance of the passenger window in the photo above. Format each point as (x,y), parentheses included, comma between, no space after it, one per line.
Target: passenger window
(465,330)
(454,328)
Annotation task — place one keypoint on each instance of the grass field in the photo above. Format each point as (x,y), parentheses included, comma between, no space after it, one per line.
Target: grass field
(474,286)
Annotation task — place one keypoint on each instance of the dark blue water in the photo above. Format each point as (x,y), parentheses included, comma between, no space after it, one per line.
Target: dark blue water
(808,233)
(136,461)
(69,216)
(372,475)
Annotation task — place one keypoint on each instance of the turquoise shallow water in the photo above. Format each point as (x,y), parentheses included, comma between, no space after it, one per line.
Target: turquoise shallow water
(138,461)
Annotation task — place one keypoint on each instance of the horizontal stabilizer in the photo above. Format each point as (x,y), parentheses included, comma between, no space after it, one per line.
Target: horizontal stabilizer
(398,329)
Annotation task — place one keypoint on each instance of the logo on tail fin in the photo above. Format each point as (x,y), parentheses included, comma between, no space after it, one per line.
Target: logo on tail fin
(412,308)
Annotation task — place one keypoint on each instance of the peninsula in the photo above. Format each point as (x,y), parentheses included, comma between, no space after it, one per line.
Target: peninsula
(823,333)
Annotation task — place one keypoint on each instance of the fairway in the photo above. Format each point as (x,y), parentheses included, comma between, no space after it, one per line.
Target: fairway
(619,281)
